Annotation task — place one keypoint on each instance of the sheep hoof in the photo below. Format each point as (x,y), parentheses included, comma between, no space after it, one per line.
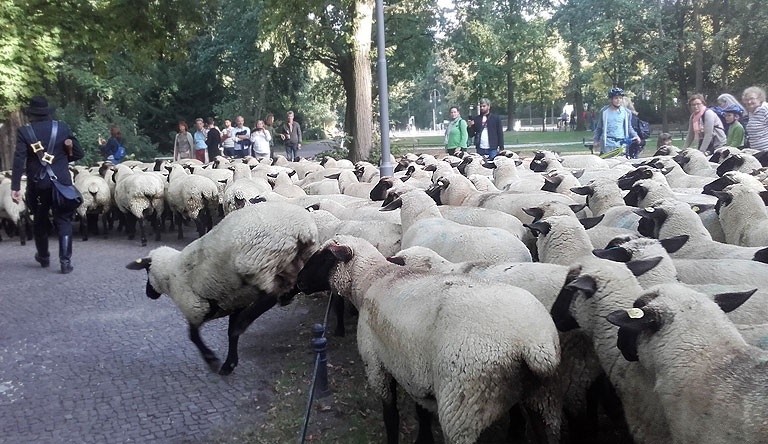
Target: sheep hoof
(214,364)
(227,369)
(143,242)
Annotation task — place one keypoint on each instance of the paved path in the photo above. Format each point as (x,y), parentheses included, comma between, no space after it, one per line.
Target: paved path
(88,358)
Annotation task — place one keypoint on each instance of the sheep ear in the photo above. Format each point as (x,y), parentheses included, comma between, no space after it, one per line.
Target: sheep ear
(410,170)
(341,252)
(431,167)
(642,266)
(443,183)
(616,254)
(672,244)
(731,301)
(291,173)
(518,162)
(535,212)
(577,207)
(577,173)
(589,222)
(586,190)
(397,260)
(257,199)
(631,322)
(666,171)
(618,241)
(333,176)
(539,227)
(650,213)
(724,197)
(585,284)
(313,207)
(395,204)
(648,173)
(489,165)
(272,175)
(764,196)
(140,264)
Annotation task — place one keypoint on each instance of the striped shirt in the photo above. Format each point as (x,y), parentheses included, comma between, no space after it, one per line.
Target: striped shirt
(757,128)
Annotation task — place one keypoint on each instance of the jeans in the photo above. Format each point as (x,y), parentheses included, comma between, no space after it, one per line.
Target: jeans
(491,153)
(229,151)
(239,154)
(291,151)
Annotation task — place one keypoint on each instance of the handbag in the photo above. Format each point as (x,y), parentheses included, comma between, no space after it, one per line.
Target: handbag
(64,198)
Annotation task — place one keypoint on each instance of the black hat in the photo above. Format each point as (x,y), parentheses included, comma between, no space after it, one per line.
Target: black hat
(38,106)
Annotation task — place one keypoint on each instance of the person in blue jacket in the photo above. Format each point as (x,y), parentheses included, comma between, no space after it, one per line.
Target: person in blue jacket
(109,147)
(55,146)
(614,127)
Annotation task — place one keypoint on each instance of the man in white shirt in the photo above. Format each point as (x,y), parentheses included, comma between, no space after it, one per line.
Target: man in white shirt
(228,139)
(242,137)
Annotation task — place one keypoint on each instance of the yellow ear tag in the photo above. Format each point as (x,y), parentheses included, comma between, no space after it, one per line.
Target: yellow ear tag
(138,261)
(650,209)
(695,208)
(635,313)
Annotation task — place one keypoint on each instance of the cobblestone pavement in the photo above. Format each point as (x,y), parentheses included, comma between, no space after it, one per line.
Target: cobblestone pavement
(88,358)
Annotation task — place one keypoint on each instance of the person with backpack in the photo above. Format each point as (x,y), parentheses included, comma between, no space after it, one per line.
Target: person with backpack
(705,130)
(614,127)
(735,128)
(641,127)
(112,150)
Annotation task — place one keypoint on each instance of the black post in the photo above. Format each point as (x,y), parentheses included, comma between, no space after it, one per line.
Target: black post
(319,345)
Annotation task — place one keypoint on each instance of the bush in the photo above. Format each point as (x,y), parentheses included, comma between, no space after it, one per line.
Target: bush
(314,134)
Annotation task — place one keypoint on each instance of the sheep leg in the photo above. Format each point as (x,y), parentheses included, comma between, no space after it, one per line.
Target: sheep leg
(391,415)
(200,225)
(142,233)
(208,355)
(156,226)
(238,323)
(425,426)
(338,309)
(178,222)
(539,428)
(84,228)
(104,224)
(130,225)
(22,232)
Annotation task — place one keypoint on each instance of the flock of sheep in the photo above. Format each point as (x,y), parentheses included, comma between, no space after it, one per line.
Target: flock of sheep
(534,290)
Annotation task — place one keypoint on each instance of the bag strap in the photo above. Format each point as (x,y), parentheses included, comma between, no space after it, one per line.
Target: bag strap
(47,164)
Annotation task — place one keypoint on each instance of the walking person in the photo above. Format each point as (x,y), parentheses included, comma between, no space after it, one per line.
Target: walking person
(44,149)
(242,137)
(456,133)
(228,138)
(183,144)
(614,126)
(260,139)
(291,135)
(636,147)
(212,140)
(487,131)
(705,130)
(201,148)
(757,111)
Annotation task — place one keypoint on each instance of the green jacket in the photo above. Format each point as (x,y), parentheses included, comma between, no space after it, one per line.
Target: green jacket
(735,135)
(457,138)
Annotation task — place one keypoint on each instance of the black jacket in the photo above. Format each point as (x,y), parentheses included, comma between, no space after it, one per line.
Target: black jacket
(495,132)
(60,165)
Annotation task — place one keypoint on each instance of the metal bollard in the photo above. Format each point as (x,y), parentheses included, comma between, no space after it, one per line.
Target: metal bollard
(319,344)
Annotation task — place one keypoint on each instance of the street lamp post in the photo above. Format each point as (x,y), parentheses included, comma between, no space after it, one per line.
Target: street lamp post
(385,168)
(434,99)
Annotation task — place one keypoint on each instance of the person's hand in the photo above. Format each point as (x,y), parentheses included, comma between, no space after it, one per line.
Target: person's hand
(471,122)
(637,139)
(68,146)
(298,147)
(457,150)
(16,196)
(596,144)
(282,136)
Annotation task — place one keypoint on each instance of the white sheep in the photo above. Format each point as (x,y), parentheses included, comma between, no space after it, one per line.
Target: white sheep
(469,386)
(695,162)
(424,225)
(284,186)
(349,185)
(743,215)
(710,384)
(97,200)
(506,176)
(741,162)
(192,197)
(15,213)
(139,195)
(561,240)
(239,269)
(385,236)
(243,190)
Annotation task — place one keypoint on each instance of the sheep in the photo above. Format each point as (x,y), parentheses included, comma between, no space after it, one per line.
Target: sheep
(484,217)
(743,215)
(192,197)
(243,190)
(722,153)
(671,218)
(473,164)
(138,195)
(239,269)
(367,172)
(584,161)
(357,212)
(16,213)
(348,184)
(592,290)
(282,185)
(417,177)
(562,182)
(458,190)
(97,199)
(381,190)
(385,236)
(601,194)
(561,239)
(326,186)
(695,162)
(440,169)
(482,183)
(642,172)
(710,384)
(397,341)
(424,225)
(676,177)
(668,150)
(330,162)
(738,162)
(302,167)
(732,178)
(663,270)
(507,177)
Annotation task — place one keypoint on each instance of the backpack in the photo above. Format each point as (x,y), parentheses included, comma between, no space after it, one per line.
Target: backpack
(120,152)
(720,113)
(643,129)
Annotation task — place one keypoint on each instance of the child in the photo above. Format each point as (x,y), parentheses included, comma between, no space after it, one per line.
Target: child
(735,129)
(665,139)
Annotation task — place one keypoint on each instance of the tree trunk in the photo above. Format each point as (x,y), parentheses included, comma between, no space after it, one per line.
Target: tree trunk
(361,125)
(578,98)
(664,116)
(682,81)
(510,93)
(8,138)
(698,57)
